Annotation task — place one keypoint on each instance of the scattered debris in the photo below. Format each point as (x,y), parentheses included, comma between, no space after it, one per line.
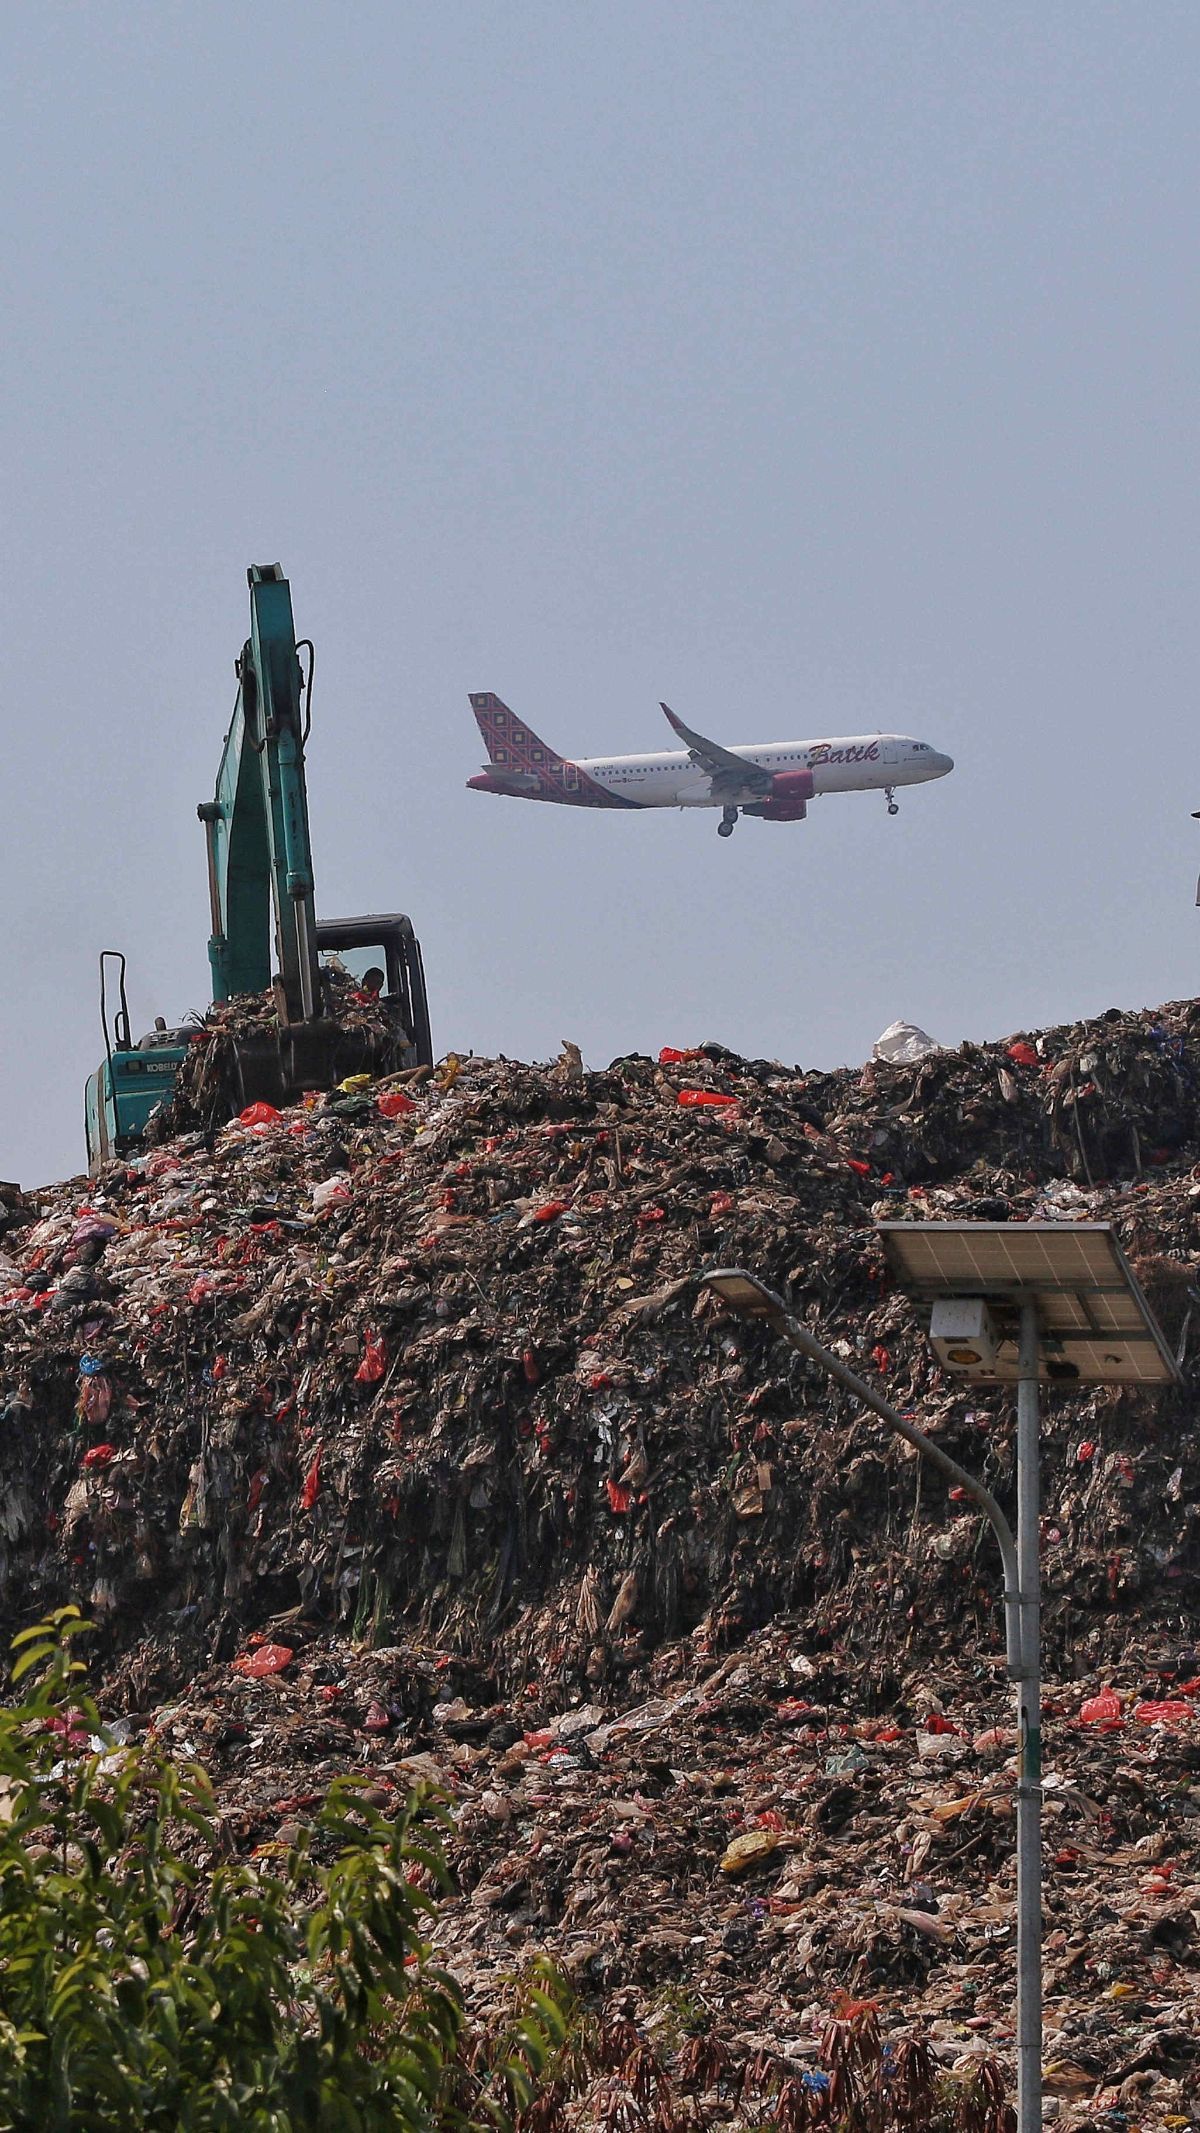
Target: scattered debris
(395,1434)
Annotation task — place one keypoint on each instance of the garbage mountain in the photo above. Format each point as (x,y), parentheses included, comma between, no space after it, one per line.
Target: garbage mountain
(391,1431)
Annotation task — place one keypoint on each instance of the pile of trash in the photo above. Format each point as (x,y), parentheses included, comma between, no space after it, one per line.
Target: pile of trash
(242,1050)
(393,1431)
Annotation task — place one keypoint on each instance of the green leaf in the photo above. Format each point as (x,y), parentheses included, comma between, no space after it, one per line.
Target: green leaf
(33,1657)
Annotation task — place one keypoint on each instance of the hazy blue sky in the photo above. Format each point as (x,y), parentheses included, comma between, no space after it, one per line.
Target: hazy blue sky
(817,368)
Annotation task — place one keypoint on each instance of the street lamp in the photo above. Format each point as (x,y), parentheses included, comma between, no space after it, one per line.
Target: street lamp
(1011,1302)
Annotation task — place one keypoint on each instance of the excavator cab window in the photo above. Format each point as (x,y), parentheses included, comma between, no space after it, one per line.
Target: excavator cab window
(356,962)
(354,946)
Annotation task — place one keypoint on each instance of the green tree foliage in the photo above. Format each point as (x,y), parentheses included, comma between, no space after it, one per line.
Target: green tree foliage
(148,1982)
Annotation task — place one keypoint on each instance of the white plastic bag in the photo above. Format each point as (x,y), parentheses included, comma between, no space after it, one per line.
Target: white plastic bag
(903,1044)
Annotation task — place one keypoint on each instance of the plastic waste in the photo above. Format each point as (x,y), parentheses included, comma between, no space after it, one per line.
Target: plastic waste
(1102,1710)
(95,1400)
(258,1114)
(331,1190)
(904,1044)
(394,1103)
(311,1487)
(373,1364)
(265,1659)
(749,1850)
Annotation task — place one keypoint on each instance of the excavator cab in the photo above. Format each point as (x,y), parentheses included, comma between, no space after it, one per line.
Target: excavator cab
(355,946)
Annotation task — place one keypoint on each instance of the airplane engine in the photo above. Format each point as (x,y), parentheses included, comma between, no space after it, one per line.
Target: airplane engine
(791,790)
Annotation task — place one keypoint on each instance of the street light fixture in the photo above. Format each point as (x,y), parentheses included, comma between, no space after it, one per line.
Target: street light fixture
(1011,1302)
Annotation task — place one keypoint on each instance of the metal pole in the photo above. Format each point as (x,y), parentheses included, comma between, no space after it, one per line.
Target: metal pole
(1022,1634)
(1029,1733)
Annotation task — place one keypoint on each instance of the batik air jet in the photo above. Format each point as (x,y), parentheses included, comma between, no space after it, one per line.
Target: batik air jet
(775,781)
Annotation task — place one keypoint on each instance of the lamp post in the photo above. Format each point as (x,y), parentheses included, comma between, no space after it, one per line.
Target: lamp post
(751,1298)
(1050,1299)
(1053,1300)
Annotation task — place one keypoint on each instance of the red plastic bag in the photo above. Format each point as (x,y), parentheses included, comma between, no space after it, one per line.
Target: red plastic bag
(393,1103)
(100,1455)
(704,1096)
(374,1362)
(259,1114)
(619,1499)
(312,1483)
(669,1056)
(1172,1712)
(1102,1710)
(268,1659)
(1021,1054)
(551,1209)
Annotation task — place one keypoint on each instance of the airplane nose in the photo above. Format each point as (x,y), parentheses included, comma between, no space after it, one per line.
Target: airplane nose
(945,763)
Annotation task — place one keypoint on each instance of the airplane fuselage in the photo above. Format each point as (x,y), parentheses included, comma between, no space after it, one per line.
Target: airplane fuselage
(865,763)
(868,762)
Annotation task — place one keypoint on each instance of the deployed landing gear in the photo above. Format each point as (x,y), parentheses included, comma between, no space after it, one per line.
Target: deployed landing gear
(725,826)
(893,803)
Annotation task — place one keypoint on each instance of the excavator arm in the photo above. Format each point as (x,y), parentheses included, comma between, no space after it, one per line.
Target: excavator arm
(256,825)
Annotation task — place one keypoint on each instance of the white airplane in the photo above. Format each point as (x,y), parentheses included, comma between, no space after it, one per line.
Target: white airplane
(775,782)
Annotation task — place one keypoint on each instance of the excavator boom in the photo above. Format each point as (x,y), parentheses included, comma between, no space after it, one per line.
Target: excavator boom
(259,849)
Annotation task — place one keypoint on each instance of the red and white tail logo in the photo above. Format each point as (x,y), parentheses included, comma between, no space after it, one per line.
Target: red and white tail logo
(510,743)
(532,771)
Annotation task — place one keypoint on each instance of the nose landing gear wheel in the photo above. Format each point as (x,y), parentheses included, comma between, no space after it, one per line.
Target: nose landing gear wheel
(893,806)
(725,826)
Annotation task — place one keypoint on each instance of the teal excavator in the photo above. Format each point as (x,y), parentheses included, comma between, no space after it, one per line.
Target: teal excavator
(259,866)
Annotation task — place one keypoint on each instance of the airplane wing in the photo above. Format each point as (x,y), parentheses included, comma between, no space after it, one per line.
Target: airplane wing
(729,773)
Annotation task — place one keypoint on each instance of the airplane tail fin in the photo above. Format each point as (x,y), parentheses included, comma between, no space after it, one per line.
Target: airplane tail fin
(510,743)
(524,766)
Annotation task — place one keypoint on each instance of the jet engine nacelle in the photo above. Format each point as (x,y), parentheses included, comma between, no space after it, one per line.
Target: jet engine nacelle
(791,790)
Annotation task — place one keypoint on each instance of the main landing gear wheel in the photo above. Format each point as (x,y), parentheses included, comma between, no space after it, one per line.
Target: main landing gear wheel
(725,826)
(893,804)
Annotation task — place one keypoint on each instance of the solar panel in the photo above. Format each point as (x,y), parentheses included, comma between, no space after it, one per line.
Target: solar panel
(1096,1326)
